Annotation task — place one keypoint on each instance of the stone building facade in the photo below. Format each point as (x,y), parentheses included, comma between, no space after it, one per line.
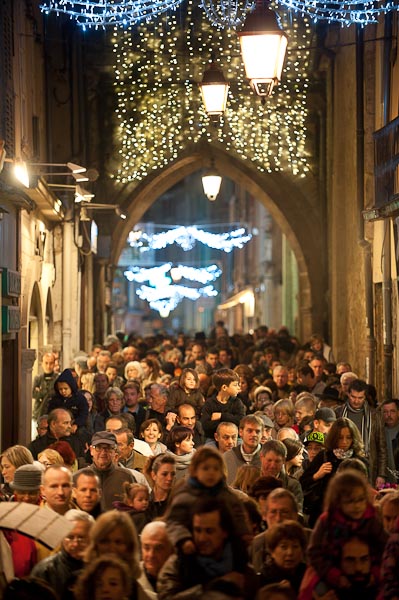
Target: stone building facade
(340,227)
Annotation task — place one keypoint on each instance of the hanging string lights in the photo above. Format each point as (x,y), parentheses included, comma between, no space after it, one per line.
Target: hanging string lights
(336,11)
(159,107)
(155,274)
(108,13)
(186,238)
(162,294)
(227,13)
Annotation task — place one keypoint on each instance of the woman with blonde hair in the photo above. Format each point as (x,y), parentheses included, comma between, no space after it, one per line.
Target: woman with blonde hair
(114,533)
(134,371)
(245,478)
(284,413)
(12,458)
(50,457)
(87,381)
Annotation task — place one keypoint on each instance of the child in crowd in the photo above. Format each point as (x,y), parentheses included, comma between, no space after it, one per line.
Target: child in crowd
(207,477)
(68,397)
(135,501)
(186,391)
(348,511)
(224,406)
(105,577)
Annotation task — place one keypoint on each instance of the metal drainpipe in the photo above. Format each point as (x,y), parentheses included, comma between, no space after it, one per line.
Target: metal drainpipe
(67,282)
(386,262)
(364,243)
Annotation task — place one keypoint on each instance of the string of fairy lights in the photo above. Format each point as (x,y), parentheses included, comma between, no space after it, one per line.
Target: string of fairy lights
(164,293)
(160,111)
(222,13)
(165,290)
(186,238)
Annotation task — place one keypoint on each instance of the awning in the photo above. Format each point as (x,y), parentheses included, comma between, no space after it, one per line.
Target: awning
(244,297)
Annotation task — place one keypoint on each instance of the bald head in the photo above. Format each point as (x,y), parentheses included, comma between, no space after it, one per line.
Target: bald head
(56,488)
(60,423)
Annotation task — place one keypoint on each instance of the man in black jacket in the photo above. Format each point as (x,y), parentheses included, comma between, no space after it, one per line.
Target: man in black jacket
(59,429)
(218,556)
(61,569)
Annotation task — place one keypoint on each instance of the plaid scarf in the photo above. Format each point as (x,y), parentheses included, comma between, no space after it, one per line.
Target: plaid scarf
(365,429)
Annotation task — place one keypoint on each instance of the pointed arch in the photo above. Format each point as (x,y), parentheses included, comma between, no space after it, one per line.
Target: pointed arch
(290,201)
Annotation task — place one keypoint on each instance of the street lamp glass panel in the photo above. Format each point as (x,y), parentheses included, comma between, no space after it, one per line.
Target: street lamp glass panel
(211,184)
(263,57)
(214,97)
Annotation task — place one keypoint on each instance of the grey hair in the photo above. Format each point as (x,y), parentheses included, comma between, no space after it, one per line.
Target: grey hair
(113,391)
(79,515)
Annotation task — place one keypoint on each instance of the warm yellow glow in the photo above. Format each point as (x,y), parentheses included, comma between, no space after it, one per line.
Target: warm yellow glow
(214,98)
(211,183)
(21,173)
(263,57)
(245,297)
(159,108)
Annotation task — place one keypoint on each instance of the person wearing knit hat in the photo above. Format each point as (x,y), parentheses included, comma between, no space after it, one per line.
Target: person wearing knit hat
(294,460)
(26,484)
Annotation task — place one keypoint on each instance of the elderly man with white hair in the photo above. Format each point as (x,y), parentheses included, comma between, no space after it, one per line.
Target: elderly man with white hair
(60,570)
(155,550)
(280,378)
(345,381)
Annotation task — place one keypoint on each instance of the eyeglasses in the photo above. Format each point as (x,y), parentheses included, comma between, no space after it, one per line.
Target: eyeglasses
(108,449)
(75,538)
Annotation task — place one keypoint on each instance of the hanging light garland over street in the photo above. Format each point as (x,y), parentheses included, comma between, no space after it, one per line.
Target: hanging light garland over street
(155,274)
(336,11)
(108,13)
(159,107)
(186,238)
(227,13)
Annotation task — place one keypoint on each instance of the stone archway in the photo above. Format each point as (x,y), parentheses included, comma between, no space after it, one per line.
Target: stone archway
(292,202)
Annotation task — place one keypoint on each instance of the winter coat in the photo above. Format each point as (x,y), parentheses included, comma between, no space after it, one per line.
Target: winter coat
(179,396)
(314,490)
(377,455)
(186,577)
(232,412)
(178,515)
(332,530)
(60,570)
(76,404)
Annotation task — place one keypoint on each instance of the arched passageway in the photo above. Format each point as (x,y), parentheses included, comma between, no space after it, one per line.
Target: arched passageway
(292,202)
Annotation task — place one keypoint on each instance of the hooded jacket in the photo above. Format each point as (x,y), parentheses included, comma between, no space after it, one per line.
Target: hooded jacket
(76,404)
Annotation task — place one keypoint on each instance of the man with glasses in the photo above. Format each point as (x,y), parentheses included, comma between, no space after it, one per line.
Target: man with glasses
(103,451)
(59,570)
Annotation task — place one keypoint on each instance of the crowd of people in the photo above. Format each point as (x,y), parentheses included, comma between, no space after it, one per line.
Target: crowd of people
(249,467)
